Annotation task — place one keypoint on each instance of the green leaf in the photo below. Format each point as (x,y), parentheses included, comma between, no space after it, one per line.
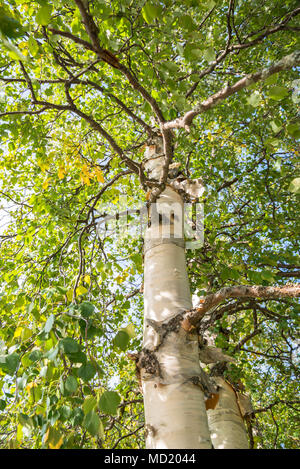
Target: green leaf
(267,275)
(255,277)
(228,273)
(25,420)
(49,324)
(293,130)
(276,127)
(271,80)
(30,307)
(9,26)
(121,340)
(130,330)
(65,412)
(77,417)
(52,353)
(35,355)
(277,165)
(92,423)
(278,93)
(2,404)
(33,46)
(87,372)
(254,99)
(9,363)
(170,66)
(295,186)
(86,309)
(186,22)
(43,16)
(69,345)
(194,52)
(151,11)
(209,54)
(89,404)
(78,357)
(209,4)
(71,384)
(109,402)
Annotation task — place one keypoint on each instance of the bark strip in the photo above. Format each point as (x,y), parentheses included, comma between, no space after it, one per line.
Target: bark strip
(225,421)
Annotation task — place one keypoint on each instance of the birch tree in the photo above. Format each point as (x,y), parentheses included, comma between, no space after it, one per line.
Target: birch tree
(132,110)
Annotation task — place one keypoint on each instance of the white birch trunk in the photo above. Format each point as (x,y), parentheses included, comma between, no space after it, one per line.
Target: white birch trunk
(174,407)
(227,429)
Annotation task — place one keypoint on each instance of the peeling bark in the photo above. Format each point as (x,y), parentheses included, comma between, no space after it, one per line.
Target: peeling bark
(225,420)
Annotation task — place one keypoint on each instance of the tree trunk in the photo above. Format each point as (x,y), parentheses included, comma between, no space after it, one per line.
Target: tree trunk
(169,363)
(227,429)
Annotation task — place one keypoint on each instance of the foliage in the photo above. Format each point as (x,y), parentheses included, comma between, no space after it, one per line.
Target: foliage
(73,129)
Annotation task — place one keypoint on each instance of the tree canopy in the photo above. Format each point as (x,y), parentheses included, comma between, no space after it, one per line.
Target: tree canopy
(84,87)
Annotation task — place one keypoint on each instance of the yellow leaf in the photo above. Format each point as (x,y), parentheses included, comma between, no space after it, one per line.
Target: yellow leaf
(84,179)
(43,164)
(81,290)
(40,409)
(12,444)
(53,438)
(99,175)
(19,436)
(70,295)
(46,184)
(130,330)
(87,279)
(18,332)
(121,278)
(30,386)
(26,333)
(61,172)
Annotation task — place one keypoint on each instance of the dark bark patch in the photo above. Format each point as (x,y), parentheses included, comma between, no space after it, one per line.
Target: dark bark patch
(148,364)
(212,401)
(163,329)
(150,430)
(207,385)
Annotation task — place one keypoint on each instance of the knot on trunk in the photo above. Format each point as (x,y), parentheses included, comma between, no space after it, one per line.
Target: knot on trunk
(174,324)
(147,365)
(205,382)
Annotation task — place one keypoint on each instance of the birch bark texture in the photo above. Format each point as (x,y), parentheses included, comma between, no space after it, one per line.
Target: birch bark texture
(226,425)
(175,411)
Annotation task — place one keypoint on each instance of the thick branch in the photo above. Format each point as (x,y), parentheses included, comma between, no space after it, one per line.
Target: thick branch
(191,318)
(92,31)
(185,122)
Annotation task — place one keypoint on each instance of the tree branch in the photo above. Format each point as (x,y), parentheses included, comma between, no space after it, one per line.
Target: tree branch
(235,48)
(185,122)
(92,31)
(193,317)
(95,125)
(279,401)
